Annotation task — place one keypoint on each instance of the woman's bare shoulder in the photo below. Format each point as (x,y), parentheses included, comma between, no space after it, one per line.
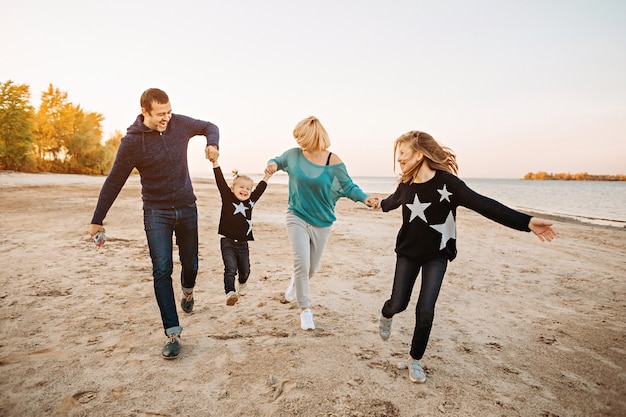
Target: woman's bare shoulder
(334,159)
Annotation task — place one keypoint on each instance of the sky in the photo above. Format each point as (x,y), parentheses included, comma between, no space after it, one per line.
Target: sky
(512,86)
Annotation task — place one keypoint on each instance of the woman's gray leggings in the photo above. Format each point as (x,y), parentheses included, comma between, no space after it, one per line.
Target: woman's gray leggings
(307,245)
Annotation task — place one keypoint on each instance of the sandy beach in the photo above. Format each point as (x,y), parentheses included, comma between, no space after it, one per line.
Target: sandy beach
(522,328)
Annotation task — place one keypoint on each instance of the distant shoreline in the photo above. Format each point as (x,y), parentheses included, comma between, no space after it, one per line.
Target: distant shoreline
(582,176)
(539,176)
(560,179)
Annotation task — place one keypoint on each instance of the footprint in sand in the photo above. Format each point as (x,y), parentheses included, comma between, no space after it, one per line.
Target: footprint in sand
(281,387)
(71,401)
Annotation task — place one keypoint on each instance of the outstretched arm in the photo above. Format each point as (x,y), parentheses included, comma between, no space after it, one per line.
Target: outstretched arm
(542,228)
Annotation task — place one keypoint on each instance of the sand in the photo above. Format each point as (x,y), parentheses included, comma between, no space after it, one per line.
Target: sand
(522,328)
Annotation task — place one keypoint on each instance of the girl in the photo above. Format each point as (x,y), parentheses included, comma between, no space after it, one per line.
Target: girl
(317,179)
(236,227)
(429,193)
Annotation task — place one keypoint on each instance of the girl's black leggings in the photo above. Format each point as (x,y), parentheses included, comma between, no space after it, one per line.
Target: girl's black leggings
(404,279)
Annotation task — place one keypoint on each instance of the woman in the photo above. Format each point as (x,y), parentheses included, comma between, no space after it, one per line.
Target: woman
(317,179)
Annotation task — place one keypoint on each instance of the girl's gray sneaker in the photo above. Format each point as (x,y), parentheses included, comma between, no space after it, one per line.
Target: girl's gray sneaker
(384,329)
(416,373)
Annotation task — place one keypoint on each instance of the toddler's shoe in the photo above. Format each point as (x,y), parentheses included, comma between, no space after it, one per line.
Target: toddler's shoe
(231,298)
(243,289)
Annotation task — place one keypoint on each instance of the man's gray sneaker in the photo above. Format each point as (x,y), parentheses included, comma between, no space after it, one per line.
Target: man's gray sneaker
(187,302)
(172,347)
(416,373)
(384,328)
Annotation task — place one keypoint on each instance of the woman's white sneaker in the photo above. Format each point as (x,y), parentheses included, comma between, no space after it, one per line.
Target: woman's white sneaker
(306,320)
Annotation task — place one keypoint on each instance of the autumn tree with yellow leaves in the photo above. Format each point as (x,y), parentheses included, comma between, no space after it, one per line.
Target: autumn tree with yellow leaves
(57,137)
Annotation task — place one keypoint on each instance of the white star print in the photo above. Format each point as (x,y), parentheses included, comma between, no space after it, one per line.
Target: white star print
(249,226)
(240,208)
(445,194)
(447,230)
(417,209)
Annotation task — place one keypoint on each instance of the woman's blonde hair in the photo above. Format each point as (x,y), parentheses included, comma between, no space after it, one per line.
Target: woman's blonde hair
(436,155)
(311,135)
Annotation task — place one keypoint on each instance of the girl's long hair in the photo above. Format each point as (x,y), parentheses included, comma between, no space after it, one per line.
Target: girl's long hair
(436,155)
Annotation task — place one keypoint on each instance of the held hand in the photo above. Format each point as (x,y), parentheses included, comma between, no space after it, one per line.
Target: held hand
(267,177)
(94,228)
(211,153)
(373,202)
(271,168)
(542,228)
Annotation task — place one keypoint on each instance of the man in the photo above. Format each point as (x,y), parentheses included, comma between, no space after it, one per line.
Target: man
(156,144)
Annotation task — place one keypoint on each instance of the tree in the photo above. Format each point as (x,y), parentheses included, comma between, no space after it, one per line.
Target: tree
(110,150)
(84,150)
(52,126)
(16,116)
(67,138)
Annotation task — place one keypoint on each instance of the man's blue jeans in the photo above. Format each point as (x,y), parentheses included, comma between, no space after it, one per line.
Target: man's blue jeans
(160,225)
